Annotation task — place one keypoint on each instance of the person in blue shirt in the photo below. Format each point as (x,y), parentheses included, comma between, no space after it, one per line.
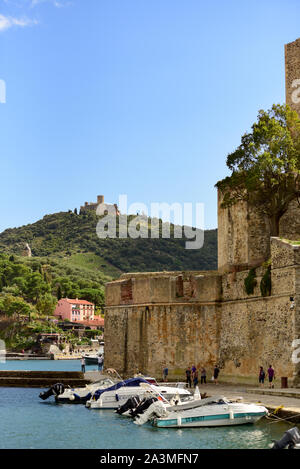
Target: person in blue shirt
(165,374)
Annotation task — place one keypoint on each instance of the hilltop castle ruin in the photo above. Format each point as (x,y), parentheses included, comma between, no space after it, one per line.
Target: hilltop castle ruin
(183,318)
(94,205)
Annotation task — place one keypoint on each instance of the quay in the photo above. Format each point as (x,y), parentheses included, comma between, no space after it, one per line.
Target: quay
(38,379)
(282,403)
(27,357)
(56,356)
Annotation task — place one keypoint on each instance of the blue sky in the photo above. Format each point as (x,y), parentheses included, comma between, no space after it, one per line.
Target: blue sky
(137,97)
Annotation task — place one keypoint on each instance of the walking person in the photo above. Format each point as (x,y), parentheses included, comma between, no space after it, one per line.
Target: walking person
(100,362)
(203,375)
(195,378)
(261,376)
(271,374)
(83,365)
(193,371)
(216,374)
(165,374)
(188,374)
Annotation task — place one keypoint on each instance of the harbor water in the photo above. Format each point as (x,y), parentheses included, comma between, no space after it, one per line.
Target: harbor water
(28,422)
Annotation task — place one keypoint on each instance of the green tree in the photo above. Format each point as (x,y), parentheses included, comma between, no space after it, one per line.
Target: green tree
(265,168)
(59,292)
(69,289)
(36,286)
(2,308)
(93,295)
(46,304)
(13,305)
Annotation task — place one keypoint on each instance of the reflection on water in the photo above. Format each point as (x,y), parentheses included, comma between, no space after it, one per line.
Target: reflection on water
(28,422)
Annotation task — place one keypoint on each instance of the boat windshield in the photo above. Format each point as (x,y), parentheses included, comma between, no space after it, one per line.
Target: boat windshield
(218,401)
(132,382)
(107,382)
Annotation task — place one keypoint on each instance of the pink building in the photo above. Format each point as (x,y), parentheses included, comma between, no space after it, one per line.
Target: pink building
(75,310)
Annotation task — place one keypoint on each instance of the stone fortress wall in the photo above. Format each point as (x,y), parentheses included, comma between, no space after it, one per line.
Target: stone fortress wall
(177,319)
(292,74)
(183,318)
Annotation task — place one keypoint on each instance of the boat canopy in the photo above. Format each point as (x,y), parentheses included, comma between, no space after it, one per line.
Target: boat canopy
(127,382)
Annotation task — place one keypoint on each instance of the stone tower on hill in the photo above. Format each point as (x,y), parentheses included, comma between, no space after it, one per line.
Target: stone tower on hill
(94,205)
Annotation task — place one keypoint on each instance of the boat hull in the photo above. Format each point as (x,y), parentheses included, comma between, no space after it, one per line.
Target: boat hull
(91,360)
(213,416)
(76,400)
(204,422)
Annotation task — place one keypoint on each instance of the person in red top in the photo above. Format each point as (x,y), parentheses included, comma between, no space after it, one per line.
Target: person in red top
(271,374)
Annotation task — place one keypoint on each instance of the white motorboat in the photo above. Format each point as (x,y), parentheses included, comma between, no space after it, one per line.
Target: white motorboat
(135,406)
(68,395)
(114,396)
(92,358)
(210,412)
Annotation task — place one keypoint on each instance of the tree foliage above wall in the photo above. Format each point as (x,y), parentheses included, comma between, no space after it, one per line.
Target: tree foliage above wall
(265,168)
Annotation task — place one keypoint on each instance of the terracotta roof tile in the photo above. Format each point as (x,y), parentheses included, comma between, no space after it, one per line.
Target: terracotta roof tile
(78,302)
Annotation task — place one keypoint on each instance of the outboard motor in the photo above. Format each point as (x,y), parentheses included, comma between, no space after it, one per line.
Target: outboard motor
(55,390)
(130,404)
(290,439)
(143,405)
(156,409)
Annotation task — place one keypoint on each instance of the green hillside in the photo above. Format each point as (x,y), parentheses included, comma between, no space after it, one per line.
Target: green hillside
(29,290)
(69,260)
(71,241)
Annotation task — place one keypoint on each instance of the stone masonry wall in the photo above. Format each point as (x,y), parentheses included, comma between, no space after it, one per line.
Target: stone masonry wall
(292,74)
(146,339)
(257,333)
(164,287)
(243,237)
(177,319)
(289,226)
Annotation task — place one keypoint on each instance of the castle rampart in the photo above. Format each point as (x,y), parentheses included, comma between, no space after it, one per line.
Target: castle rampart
(181,318)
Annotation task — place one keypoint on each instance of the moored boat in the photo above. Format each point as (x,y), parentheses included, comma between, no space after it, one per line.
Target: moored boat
(91,359)
(68,395)
(116,395)
(209,412)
